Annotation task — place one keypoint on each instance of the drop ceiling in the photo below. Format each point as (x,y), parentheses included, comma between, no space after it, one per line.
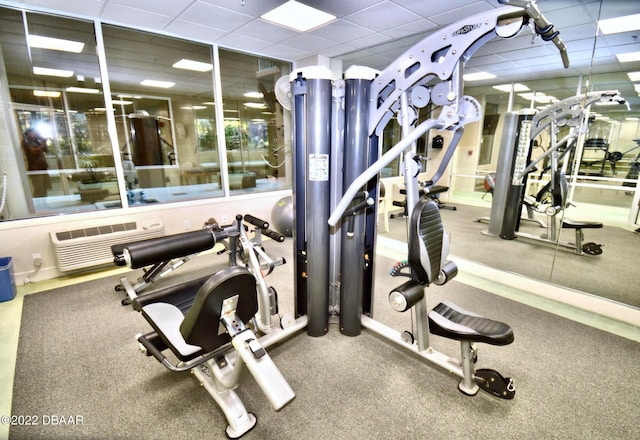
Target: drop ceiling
(375,32)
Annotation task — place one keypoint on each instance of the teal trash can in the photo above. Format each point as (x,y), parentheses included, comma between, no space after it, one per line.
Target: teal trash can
(7,279)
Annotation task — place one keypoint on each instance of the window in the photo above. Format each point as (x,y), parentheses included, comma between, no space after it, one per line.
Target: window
(57,144)
(159,124)
(256,127)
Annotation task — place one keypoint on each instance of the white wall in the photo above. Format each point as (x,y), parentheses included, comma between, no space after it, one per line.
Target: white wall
(22,238)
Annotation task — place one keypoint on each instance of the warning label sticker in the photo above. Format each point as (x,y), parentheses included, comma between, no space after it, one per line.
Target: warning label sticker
(318,167)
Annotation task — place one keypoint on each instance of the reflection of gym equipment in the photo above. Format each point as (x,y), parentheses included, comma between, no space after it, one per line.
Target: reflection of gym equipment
(515,164)
(148,149)
(196,321)
(634,167)
(166,254)
(336,147)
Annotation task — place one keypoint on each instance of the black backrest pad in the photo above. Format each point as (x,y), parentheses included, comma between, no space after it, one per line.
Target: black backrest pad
(180,295)
(426,234)
(201,323)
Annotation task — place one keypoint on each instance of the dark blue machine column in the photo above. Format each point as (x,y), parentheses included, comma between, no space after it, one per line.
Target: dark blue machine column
(311,112)
(356,159)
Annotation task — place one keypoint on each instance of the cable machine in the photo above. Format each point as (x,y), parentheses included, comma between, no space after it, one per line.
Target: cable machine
(515,164)
(337,155)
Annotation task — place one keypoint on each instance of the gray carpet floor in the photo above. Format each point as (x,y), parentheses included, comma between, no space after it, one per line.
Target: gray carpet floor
(77,356)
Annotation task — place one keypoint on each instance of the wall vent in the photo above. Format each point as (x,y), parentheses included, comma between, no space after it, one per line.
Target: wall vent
(83,248)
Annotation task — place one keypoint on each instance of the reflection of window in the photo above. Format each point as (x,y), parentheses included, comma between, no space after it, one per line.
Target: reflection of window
(66,111)
(256,127)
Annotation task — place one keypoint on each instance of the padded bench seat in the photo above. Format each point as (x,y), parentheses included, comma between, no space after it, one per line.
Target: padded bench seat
(579,224)
(450,321)
(165,310)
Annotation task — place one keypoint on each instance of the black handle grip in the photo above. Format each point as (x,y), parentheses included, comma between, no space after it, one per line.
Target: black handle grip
(255,221)
(151,349)
(274,235)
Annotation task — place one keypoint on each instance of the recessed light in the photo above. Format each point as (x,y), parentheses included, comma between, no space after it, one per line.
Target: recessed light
(82,90)
(121,102)
(628,57)
(255,105)
(634,76)
(41,42)
(478,76)
(46,93)
(196,66)
(620,24)
(52,72)
(160,84)
(517,87)
(297,16)
(255,95)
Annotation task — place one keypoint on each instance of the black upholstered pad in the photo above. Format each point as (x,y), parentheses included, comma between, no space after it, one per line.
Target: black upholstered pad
(164,309)
(448,320)
(154,250)
(202,321)
(577,224)
(180,295)
(426,234)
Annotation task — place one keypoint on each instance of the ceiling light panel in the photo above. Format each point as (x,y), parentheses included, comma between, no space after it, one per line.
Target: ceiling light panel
(628,57)
(478,76)
(617,25)
(52,72)
(46,93)
(40,42)
(159,84)
(297,16)
(196,66)
(517,87)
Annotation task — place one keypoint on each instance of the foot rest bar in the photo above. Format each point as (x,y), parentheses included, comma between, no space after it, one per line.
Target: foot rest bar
(450,321)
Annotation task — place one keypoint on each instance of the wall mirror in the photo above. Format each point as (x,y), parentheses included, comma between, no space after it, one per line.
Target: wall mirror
(602,169)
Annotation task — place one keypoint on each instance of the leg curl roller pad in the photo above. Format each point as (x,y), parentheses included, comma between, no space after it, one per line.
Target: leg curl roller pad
(405,296)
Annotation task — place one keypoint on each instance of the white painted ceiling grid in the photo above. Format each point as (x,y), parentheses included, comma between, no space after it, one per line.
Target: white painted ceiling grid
(374,32)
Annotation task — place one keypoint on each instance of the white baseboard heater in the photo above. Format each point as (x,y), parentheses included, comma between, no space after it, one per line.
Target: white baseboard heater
(83,248)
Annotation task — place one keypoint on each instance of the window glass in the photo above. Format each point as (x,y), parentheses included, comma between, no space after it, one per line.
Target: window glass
(256,122)
(59,140)
(162,94)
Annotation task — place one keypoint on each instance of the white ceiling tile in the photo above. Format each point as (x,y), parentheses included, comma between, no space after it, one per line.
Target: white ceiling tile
(241,42)
(198,32)
(171,8)
(337,50)
(90,8)
(340,8)
(308,42)
(341,31)
(369,41)
(254,8)
(427,9)
(454,15)
(214,16)
(260,29)
(283,52)
(415,27)
(382,16)
(134,17)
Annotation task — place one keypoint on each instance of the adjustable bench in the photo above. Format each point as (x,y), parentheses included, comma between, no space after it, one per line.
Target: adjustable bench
(428,249)
(204,323)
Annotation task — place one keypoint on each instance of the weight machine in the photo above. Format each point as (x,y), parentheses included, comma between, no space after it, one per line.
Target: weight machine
(515,164)
(181,248)
(336,148)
